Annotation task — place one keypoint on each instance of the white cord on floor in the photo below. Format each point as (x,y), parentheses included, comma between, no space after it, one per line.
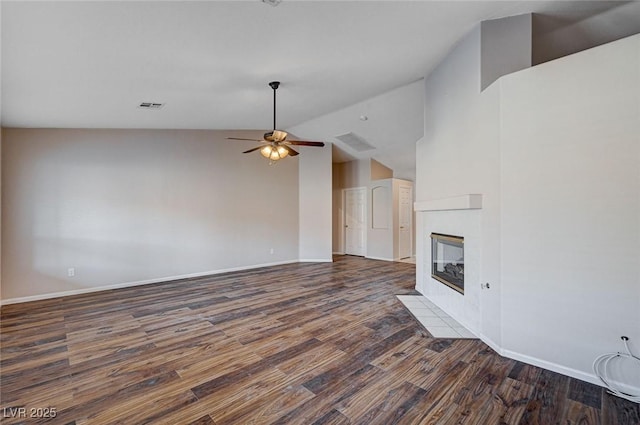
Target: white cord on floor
(600,368)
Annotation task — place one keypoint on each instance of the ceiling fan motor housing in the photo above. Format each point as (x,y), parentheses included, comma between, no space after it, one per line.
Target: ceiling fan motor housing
(275,136)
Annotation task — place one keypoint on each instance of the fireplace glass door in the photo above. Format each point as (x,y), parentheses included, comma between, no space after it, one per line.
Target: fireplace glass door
(447,260)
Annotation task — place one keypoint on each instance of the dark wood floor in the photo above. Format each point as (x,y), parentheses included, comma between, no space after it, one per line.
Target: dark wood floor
(295,344)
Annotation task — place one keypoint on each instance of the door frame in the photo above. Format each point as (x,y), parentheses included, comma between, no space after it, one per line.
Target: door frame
(343,217)
(411,224)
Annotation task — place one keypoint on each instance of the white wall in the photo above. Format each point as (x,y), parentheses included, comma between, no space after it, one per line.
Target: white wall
(555,152)
(460,155)
(571,205)
(451,159)
(315,198)
(0,208)
(125,206)
(0,153)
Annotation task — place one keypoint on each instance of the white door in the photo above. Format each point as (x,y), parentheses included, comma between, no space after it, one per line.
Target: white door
(355,221)
(405,221)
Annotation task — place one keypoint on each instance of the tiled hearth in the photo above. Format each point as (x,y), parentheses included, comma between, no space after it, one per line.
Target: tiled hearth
(436,321)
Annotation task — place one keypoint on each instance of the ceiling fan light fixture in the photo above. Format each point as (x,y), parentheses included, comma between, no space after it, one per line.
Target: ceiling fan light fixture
(274,153)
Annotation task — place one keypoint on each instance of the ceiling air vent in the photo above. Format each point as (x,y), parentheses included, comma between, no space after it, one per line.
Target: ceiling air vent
(150,105)
(355,142)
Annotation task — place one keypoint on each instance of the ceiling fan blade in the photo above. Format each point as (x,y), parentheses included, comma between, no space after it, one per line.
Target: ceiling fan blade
(254,149)
(291,151)
(240,138)
(305,143)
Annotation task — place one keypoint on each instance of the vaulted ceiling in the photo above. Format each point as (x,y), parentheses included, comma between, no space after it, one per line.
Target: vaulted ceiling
(90,64)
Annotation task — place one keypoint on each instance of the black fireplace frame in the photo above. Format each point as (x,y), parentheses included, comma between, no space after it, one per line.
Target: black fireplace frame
(455,279)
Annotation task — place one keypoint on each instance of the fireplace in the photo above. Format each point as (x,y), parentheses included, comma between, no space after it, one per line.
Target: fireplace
(447,260)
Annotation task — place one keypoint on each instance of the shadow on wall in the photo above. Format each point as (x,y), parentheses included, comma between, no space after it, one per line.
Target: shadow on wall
(123,206)
(554,37)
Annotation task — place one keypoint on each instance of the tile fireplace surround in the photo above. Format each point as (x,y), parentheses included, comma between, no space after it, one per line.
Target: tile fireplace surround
(460,216)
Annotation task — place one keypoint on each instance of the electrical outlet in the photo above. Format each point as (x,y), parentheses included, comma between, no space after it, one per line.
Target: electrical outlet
(271,251)
(71,271)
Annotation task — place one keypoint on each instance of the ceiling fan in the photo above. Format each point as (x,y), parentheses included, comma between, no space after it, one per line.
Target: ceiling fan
(275,145)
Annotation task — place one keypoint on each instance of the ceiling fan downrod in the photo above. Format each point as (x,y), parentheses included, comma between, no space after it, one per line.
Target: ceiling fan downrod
(274,85)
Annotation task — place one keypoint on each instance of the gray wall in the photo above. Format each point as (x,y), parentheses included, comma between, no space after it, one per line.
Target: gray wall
(505,47)
(124,206)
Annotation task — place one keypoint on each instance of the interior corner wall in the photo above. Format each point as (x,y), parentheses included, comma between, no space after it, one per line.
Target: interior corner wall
(127,206)
(315,199)
(380,171)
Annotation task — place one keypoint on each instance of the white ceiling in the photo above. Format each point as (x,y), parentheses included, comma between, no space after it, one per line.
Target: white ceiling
(89,64)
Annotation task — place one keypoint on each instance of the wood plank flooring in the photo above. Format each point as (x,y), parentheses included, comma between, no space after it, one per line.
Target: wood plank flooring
(301,344)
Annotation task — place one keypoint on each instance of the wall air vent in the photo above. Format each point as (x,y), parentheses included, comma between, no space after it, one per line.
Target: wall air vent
(150,105)
(355,142)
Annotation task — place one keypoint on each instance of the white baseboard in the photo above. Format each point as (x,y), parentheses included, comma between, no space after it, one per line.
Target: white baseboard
(140,282)
(378,258)
(491,343)
(554,367)
(534,361)
(564,370)
(316,260)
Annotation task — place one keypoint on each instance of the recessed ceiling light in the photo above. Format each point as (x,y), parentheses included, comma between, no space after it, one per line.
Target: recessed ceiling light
(150,105)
